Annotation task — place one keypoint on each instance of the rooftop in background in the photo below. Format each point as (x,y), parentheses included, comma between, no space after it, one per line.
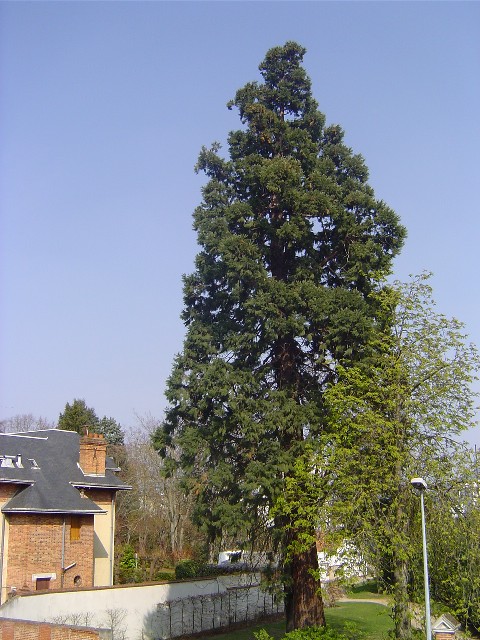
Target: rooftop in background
(45,466)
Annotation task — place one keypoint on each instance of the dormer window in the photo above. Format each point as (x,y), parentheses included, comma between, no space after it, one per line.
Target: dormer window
(11,462)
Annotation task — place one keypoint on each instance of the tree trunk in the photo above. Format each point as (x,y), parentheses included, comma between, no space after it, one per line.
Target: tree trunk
(401,613)
(304,604)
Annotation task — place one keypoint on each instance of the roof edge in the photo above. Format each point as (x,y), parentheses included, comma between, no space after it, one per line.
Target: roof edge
(91,485)
(54,511)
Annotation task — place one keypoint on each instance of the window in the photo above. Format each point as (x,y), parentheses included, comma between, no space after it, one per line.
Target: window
(41,584)
(75,526)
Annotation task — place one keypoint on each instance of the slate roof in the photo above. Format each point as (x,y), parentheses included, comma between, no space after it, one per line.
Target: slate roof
(44,465)
(447,623)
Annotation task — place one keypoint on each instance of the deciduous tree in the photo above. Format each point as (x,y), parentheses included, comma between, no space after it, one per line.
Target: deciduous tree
(154,518)
(292,242)
(25,422)
(397,415)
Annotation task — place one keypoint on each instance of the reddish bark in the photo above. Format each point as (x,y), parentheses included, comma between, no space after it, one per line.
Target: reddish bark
(304,604)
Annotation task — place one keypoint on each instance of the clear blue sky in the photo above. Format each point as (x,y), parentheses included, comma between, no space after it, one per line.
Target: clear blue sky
(103,110)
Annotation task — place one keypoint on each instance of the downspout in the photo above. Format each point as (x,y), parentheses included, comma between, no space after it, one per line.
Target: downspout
(63,554)
(112,536)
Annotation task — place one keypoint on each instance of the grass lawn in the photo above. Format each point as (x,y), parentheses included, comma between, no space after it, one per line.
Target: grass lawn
(371,620)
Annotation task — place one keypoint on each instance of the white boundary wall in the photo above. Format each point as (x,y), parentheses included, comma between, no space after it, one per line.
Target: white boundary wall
(150,612)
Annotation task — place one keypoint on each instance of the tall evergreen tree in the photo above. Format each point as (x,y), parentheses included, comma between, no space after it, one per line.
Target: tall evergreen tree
(111,430)
(77,416)
(292,242)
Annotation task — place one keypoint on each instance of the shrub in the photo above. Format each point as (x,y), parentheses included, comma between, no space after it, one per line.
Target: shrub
(186,569)
(310,633)
(191,569)
(165,575)
(128,571)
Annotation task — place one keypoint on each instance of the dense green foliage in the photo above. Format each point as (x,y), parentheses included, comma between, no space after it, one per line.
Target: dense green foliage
(128,566)
(193,569)
(309,633)
(395,416)
(293,241)
(186,569)
(454,546)
(111,430)
(77,417)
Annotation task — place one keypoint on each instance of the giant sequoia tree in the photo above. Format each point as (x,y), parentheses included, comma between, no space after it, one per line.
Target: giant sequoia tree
(292,242)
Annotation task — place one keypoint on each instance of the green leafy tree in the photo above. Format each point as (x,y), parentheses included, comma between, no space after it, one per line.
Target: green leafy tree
(397,415)
(77,416)
(292,242)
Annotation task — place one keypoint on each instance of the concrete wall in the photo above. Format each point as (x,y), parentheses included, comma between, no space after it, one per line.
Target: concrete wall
(150,612)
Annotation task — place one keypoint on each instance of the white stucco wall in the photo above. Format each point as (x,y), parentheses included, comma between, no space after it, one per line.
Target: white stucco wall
(146,612)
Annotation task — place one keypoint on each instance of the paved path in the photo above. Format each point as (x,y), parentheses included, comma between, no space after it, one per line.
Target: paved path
(382,601)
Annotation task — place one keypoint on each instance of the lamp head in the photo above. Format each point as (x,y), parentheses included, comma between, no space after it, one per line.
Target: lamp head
(419,484)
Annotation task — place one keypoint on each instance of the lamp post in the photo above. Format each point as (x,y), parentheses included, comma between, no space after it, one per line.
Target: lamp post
(421,486)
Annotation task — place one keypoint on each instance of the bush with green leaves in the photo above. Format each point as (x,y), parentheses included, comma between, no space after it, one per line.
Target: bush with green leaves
(186,569)
(164,575)
(192,569)
(313,633)
(128,566)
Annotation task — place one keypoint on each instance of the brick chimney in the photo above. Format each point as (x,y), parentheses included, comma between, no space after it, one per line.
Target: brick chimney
(93,450)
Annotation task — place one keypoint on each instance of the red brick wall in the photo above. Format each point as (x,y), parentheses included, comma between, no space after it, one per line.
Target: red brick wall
(93,449)
(102,497)
(25,630)
(7,491)
(35,546)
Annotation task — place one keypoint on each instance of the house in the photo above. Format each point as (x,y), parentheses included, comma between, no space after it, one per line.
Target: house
(57,505)
(344,562)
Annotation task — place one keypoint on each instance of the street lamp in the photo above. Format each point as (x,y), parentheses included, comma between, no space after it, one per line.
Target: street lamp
(421,486)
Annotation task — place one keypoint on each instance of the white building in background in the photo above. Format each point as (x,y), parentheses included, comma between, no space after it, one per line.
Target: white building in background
(346,562)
